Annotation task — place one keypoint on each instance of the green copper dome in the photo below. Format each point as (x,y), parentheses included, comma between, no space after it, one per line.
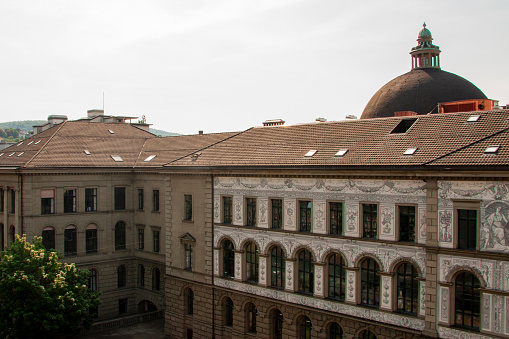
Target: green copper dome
(424,33)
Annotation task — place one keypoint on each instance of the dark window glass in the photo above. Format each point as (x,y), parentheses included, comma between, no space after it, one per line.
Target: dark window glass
(252,261)
(47,205)
(228,259)
(188,207)
(188,254)
(251,318)
(408,288)
(189,301)
(306,272)
(228,312)
(277,324)
(141,238)
(305,328)
(92,280)
(121,276)
(2,199)
(13,202)
(90,199)
(2,237)
(69,201)
(407,223)
(336,218)
(155,237)
(91,240)
(277,267)
(48,238)
(250,211)
(155,200)
(141,275)
(467,301)
(70,243)
(12,233)
(227,210)
(120,236)
(122,306)
(335,331)
(277,213)
(189,333)
(119,198)
(156,279)
(141,199)
(369,220)
(337,277)
(367,334)
(467,229)
(305,216)
(370,283)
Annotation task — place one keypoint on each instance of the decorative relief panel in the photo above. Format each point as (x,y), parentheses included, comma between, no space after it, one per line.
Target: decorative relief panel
(422,302)
(506,299)
(387,211)
(238,266)
(262,271)
(448,264)
(216,262)
(238,210)
(217,209)
(326,305)
(421,235)
(290,214)
(352,219)
(486,312)
(263,212)
(445,227)
(319,214)
(444,304)
(451,333)
(350,286)
(319,291)
(498,313)
(289,275)
(386,293)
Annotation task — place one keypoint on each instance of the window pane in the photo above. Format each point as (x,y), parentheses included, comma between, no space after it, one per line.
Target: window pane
(407,223)
(277,213)
(369,220)
(305,216)
(336,218)
(188,207)
(250,211)
(467,229)
(70,243)
(227,210)
(119,198)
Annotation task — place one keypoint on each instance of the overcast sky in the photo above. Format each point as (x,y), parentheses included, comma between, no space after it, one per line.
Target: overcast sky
(227,65)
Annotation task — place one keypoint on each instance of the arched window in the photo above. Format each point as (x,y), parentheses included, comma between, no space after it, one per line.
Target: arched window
(228,259)
(305,327)
(408,288)
(306,272)
(91,239)
(189,301)
(156,279)
(120,236)
(228,312)
(370,283)
(48,238)
(277,324)
(367,334)
(121,276)
(467,301)
(92,280)
(70,241)
(335,331)
(277,267)
(251,313)
(252,263)
(12,233)
(337,274)
(141,275)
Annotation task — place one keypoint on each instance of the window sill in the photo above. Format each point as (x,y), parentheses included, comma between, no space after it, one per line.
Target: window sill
(188,221)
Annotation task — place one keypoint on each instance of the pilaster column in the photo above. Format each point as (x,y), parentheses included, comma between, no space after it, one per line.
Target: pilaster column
(216,261)
(319,280)
(263,212)
(239,265)
(262,274)
(387,221)
(351,284)
(290,214)
(319,216)
(352,228)
(386,291)
(290,283)
(238,210)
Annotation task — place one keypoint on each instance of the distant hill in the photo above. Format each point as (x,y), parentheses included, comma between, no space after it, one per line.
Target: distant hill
(27,126)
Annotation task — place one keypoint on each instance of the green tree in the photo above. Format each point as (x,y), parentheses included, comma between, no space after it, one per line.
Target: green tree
(12,132)
(39,296)
(3,134)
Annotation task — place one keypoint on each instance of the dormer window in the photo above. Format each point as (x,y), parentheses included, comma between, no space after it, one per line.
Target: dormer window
(403,126)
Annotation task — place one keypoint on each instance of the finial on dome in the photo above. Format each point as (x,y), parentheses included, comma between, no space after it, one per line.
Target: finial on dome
(424,25)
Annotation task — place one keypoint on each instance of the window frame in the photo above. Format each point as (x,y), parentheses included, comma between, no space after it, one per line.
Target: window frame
(372,278)
(141,238)
(70,241)
(91,239)
(44,237)
(228,261)
(47,202)
(155,201)
(120,198)
(2,199)
(305,223)
(92,280)
(121,276)
(156,279)
(277,267)
(189,301)
(305,272)
(251,314)
(227,209)
(188,207)
(141,275)
(305,327)
(473,205)
(251,209)
(228,311)
(277,321)
(188,256)
(370,232)
(120,235)
(403,290)
(252,262)
(467,298)
(335,229)
(122,306)
(334,291)
(141,199)
(90,199)
(401,222)
(156,239)
(70,202)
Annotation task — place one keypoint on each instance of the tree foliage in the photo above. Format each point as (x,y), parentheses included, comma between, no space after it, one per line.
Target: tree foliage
(39,296)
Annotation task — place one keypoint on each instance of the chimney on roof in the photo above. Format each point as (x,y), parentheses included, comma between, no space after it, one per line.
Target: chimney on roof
(56,119)
(320,119)
(351,117)
(405,113)
(200,132)
(91,113)
(273,122)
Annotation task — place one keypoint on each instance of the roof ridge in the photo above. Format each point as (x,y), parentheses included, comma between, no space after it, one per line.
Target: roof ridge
(213,144)
(139,154)
(51,138)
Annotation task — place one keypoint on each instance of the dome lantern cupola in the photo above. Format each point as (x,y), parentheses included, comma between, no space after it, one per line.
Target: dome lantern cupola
(425,54)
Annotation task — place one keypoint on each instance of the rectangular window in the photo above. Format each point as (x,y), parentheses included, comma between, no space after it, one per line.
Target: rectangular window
(305,216)
(141,238)
(467,229)
(13,202)
(407,223)
(155,200)
(276,209)
(122,306)
(91,240)
(140,199)
(227,210)
(70,241)
(188,255)
(188,207)
(155,236)
(90,199)
(250,211)
(119,198)
(47,201)
(70,201)
(336,218)
(2,200)
(369,220)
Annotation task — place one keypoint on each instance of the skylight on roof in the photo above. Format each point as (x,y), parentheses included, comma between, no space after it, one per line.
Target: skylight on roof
(310,153)
(20,144)
(341,153)
(150,158)
(21,154)
(117,158)
(473,118)
(491,149)
(12,154)
(410,151)
(403,126)
(2,154)
(87,152)
(37,142)
(30,143)
(111,132)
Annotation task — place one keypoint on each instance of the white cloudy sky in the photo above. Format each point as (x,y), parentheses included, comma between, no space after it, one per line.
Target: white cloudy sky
(227,65)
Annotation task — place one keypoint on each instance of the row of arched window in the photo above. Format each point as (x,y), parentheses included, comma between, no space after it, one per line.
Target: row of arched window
(122,277)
